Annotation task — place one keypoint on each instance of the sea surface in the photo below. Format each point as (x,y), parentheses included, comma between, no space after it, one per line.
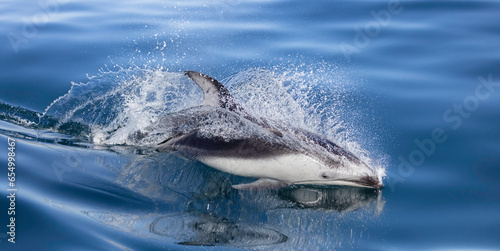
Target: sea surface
(411,87)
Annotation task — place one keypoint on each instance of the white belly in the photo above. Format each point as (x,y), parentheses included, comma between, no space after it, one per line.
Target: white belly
(291,168)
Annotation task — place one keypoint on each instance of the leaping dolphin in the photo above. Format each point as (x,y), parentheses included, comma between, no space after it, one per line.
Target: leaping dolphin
(278,155)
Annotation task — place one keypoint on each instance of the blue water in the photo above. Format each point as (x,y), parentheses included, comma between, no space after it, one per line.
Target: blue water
(413,87)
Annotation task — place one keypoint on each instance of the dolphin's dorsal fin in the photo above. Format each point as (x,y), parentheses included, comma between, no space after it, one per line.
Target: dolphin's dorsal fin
(214,93)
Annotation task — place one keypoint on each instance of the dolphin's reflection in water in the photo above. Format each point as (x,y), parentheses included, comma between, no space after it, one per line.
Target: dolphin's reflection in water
(195,227)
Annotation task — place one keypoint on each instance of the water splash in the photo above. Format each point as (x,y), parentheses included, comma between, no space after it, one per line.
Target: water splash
(115,103)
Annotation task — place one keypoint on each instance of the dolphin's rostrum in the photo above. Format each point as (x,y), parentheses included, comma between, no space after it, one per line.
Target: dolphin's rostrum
(278,155)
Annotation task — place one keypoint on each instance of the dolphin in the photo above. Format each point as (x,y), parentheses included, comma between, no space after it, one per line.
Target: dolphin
(277,154)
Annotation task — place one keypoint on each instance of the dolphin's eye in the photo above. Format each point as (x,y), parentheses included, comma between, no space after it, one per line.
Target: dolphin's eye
(324,175)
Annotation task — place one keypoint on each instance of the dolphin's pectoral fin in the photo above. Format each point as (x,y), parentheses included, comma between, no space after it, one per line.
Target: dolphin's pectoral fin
(165,141)
(261,184)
